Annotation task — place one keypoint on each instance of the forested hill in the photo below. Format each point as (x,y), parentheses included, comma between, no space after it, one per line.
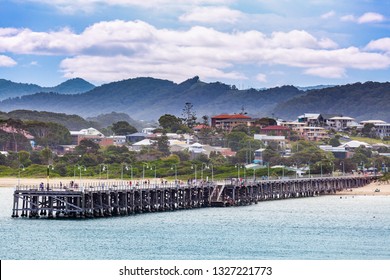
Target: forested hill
(369,100)
(148,98)
(9,89)
(72,122)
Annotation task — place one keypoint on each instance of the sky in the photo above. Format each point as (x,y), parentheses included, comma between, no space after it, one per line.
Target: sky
(247,43)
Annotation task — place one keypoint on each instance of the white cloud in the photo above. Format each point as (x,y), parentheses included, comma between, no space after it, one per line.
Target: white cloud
(6,61)
(348,18)
(326,72)
(212,15)
(89,5)
(328,15)
(371,17)
(261,78)
(114,50)
(379,45)
(365,18)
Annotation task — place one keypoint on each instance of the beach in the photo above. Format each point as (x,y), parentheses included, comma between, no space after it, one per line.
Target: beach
(383,187)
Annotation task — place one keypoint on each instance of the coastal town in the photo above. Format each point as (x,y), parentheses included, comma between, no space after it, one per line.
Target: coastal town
(220,146)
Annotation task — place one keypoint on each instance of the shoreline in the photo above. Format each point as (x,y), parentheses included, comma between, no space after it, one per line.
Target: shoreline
(10,182)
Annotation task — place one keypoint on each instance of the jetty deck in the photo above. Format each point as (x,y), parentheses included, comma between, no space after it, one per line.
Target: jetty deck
(121,199)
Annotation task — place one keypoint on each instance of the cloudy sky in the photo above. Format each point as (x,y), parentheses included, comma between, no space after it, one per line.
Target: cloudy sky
(249,43)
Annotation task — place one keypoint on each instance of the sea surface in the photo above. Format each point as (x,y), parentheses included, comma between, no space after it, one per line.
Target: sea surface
(318,228)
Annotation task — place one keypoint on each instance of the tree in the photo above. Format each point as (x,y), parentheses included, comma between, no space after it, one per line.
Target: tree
(49,134)
(46,155)
(24,158)
(163,145)
(369,130)
(87,146)
(334,142)
(170,123)
(123,128)
(189,115)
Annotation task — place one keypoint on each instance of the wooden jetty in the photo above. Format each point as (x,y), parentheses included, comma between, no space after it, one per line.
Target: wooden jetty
(120,199)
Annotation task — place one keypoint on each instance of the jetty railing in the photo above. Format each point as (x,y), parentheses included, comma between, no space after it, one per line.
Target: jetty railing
(125,198)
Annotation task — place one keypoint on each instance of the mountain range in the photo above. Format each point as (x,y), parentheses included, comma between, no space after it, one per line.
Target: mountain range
(9,89)
(149,98)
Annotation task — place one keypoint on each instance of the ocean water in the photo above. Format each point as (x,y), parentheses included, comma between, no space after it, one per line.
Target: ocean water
(327,227)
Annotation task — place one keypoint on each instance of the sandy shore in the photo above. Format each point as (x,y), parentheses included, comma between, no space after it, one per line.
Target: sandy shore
(384,189)
(12,182)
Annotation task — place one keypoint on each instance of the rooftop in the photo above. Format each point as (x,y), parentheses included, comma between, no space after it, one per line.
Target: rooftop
(275,127)
(227,116)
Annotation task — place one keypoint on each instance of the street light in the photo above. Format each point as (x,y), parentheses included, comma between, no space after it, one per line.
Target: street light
(80,167)
(131,172)
(143,169)
(332,163)
(212,172)
(202,168)
(238,171)
(102,167)
(155,174)
(174,166)
(20,165)
(123,165)
(309,167)
(296,169)
(267,170)
(342,162)
(49,166)
(193,166)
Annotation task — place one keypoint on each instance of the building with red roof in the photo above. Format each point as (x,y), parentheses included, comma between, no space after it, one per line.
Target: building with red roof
(228,122)
(276,130)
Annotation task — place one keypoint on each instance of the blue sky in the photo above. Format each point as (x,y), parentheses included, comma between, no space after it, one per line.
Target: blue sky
(257,43)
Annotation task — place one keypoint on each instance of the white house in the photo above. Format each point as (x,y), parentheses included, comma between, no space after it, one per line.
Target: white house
(266,139)
(340,123)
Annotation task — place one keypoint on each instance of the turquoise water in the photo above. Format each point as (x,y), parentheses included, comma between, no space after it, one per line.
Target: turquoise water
(307,228)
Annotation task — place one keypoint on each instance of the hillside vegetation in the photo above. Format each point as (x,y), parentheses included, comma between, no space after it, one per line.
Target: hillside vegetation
(149,98)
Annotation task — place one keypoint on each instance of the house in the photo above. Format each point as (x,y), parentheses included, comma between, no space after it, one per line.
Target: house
(291,125)
(311,133)
(372,122)
(199,127)
(280,141)
(382,129)
(340,122)
(138,146)
(118,140)
(338,152)
(228,122)
(136,137)
(276,130)
(315,120)
(259,156)
(148,130)
(89,133)
(65,149)
(352,145)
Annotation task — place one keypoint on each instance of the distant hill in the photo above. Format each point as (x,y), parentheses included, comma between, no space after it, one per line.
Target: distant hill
(105,120)
(72,122)
(149,98)
(9,89)
(72,86)
(369,100)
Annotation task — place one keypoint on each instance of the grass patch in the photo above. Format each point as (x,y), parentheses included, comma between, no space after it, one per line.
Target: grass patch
(370,140)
